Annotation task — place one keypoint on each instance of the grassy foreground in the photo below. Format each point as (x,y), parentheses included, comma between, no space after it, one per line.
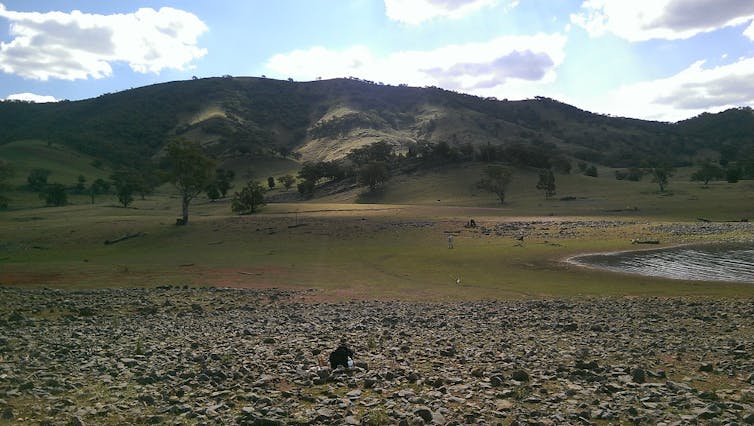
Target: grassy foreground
(385,251)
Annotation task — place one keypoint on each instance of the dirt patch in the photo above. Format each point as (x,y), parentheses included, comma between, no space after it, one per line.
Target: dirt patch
(22,278)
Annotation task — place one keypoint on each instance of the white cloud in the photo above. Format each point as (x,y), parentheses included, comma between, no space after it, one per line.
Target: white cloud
(690,92)
(78,45)
(414,12)
(640,20)
(30,97)
(509,66)
(750,31)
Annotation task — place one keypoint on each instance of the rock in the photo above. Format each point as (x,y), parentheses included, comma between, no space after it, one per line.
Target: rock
(7,414)
(269,340)
(748,418)
(710,412)
(129,362)
(213,367)
(591,365)
(75,421)
(520,375)
(706,367)
(638,375)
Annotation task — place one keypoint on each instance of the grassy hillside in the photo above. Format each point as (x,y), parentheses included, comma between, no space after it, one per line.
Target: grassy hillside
(64,163)
(248,118)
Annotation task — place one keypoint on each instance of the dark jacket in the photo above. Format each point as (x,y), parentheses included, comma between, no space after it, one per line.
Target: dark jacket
(340,356)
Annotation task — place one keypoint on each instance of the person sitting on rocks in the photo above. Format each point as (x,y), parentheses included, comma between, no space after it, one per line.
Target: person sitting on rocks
(343,355)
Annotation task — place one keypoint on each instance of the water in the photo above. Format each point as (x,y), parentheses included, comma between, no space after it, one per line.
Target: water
(718,262)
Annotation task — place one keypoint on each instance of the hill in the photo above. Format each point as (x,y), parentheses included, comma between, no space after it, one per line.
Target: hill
(240,119)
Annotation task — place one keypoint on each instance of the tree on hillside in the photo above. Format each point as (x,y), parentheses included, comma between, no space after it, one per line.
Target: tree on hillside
(224,180)
(271,182)
(707,172)
(287,181)
(374,174)
(190,171)
(147,178)
(249,199)
(495,179)
(37,179)
(660,176)
(213,193)
(99,186)
(546,182)
(80,184)
(54,195)
(733,174)
(6,172)
(378,151)
(125,183)
(306,188)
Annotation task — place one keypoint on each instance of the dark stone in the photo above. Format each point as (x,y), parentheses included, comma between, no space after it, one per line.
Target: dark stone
(75,421)
(7,414)
(706,367)
(496,381)
(16,317)
(425,413)
(639,375)
(266,422)
(520,376)
(591,365)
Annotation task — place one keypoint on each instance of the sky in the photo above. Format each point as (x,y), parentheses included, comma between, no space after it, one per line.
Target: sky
(663,60)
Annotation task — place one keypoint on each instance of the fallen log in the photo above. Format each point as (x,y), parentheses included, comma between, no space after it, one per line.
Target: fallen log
(123,238)
(645,241)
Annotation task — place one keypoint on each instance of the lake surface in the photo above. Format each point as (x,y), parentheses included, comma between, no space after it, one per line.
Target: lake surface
(712,262)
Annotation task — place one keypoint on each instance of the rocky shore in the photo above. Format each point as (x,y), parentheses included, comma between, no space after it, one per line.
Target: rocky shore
(225,356)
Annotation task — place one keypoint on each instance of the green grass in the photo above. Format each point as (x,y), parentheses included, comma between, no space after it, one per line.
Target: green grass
(64,163)
(345,250)
(394,250)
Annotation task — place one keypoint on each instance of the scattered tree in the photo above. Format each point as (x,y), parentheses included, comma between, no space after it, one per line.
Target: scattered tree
(80,184)
(306,188)
(591,171)
(495,179)
(733,174)
(546,182)
(191,171)
(126,183)
(146,179)
(374,174)
(707,172)
(6,172)
(99,186)
(271,182)
(224,179)
(633,174)
(249,199)
(37,179)
(378,151)
(54,195)
(213,192)
(287,181)
(660,176)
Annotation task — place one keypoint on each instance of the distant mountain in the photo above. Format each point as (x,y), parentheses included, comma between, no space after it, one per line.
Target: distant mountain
(245,117)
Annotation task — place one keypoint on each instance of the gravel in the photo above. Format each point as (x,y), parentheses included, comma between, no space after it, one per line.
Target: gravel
(226,356)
